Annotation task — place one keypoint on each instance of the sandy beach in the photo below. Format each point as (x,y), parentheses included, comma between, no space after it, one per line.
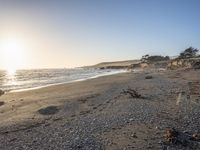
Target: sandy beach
(106,113)
(99,75)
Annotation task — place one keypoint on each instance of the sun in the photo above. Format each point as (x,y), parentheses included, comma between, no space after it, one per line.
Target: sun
(12,50)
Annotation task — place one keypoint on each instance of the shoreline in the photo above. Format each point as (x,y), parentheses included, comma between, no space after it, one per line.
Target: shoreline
(41,94)
(84,79)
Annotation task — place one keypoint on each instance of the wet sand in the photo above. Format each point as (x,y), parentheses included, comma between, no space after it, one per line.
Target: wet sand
(100,113)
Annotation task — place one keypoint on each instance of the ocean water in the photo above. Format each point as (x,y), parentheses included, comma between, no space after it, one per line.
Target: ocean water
(29,79)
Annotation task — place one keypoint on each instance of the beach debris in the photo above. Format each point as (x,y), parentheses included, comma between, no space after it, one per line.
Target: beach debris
(183,139)
(133,93)
(171,135)
(182,98)
(1,92)
(50,110)
(196,136)
(2,103)
(85,99)
(84,112)
(148,77)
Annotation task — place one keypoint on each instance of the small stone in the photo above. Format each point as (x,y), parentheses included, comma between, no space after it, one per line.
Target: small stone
(79,146)
(134,135)
(14,139)
(77,138)
(1,92)
(131,119)
(185,131)
(150,147)
(196,136)
(148,77)
(160,142)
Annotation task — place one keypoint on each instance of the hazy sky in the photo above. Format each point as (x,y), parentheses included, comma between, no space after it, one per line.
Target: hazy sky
(68,33)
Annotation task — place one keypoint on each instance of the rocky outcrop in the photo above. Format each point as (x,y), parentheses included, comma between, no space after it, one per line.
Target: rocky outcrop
(152,65)
(114,67)
(1,92)
(138,65)
(169,64)
(184,63)
(196,65)
(160,64)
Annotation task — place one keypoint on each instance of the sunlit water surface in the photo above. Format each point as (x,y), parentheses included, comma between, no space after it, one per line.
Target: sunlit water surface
(28,79)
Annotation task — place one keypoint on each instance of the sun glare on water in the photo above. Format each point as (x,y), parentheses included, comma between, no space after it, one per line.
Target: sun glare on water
(13,54)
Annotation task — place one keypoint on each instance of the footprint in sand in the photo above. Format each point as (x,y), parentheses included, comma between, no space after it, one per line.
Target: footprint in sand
(50,110)
(2,103)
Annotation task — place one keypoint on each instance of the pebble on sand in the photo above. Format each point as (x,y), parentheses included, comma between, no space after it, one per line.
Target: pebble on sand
(148,77)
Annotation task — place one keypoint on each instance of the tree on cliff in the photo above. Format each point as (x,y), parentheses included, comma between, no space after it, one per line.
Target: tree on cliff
(145,58)
(189,52)
(148,58)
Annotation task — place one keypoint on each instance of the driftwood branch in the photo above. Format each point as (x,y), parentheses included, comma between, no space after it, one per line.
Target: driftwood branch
(133,93)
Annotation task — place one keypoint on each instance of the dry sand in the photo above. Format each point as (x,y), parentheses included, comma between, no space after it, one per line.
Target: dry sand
(99,114)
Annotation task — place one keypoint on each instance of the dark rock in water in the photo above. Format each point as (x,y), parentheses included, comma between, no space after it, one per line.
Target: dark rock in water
(50,110)
(148,77)
(196,65)
(2,103)
(1,92)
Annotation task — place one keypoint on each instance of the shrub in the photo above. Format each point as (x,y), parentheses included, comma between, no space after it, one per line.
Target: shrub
(188,53)
(147,58)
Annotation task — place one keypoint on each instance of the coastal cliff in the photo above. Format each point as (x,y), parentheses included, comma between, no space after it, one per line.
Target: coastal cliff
(184,63)
(138,64)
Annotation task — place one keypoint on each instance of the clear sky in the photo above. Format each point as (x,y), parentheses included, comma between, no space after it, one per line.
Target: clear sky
(69,33)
